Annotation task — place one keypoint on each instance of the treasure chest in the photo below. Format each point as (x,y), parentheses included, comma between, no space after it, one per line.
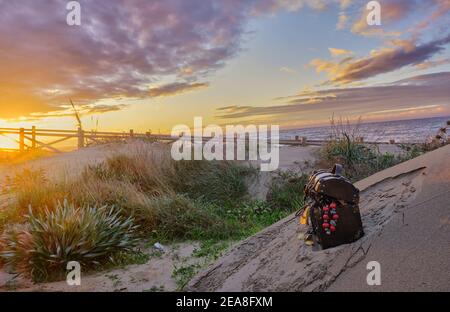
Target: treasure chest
(333,203)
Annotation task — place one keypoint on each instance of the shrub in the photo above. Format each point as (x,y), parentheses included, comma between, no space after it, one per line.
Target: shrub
(286,191)
(359,160)
(170,201)
(43,246)
(181,218)
(218,182)
(31,187)
(142,168)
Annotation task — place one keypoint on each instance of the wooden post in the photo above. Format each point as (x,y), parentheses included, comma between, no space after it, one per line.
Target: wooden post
(131,133)
(80,138)
(33,137)
(304,141)
(22,140)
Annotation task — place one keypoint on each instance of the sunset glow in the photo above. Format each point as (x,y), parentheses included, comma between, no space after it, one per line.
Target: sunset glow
(141,65)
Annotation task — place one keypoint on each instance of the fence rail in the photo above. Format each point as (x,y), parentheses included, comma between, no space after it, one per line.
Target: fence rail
(30,139)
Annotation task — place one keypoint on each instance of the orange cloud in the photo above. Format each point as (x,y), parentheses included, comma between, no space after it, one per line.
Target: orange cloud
(418,95)
(431,64)
(176,89)
(342,22)
(401,53)
(339,52)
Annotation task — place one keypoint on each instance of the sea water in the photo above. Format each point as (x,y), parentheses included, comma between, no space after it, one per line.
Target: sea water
(402,131)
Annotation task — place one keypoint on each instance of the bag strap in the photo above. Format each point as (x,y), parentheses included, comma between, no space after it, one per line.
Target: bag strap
(337,169)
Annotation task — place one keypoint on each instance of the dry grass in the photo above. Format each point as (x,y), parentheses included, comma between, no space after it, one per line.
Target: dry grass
(169,201)
(361,160)
(144,184)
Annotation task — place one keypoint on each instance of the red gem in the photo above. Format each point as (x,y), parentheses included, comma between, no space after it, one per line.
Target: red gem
(335,217)
(332,229)
(326,225)
(326,209)
(333,205)
(326,217)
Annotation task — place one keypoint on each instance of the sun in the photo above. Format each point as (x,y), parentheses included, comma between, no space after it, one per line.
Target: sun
(8,143)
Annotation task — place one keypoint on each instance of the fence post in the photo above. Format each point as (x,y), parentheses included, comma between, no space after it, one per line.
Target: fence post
(22,140)
(304,140)
(80,138)
(33,137)
(131,133)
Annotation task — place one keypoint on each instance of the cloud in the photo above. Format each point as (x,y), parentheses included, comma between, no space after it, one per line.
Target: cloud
(342,22)
(391,11)
(427,93)
(401,53)
(100,109)
(176,89)
(121,48)
(345,3)
(339,52)
(288,70)
(441,8)
(67,111)
(431,64)
(272,6)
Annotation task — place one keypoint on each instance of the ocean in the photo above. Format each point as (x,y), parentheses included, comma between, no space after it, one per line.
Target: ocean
(402,131)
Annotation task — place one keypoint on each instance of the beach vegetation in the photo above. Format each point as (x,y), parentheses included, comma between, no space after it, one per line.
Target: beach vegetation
(346,146)
(42,247)
(161,200)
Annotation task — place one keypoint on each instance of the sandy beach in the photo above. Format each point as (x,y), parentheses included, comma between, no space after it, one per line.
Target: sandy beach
(405,214)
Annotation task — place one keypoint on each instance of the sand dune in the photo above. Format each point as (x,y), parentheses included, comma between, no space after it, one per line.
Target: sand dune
(406,215)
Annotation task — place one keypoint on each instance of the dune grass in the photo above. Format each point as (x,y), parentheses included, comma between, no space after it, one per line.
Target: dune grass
(167,201)
(361,160)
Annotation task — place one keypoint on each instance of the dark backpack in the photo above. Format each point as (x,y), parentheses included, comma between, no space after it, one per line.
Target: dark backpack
(334,208)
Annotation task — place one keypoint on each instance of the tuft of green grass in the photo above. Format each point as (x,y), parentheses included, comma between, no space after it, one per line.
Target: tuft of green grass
(211,249)
(125,258)
(183,274)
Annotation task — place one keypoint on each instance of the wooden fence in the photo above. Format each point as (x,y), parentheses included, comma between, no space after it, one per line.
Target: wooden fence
(30,139)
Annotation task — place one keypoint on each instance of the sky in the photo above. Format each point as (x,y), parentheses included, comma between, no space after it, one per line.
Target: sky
(154,64)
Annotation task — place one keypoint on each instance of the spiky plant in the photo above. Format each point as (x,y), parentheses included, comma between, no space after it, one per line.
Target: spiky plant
(42,248)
